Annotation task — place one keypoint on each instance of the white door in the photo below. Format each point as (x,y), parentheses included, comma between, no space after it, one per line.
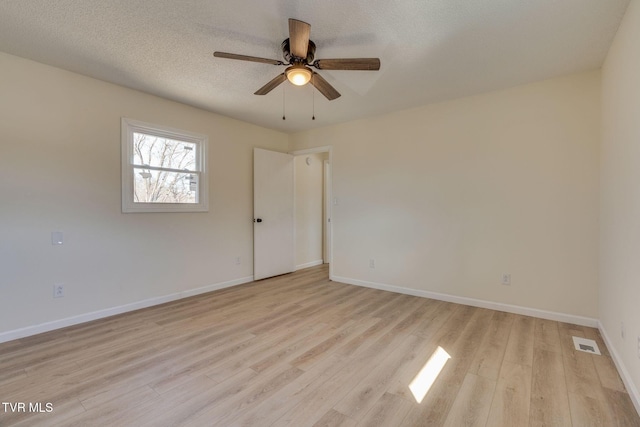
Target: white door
(273,214)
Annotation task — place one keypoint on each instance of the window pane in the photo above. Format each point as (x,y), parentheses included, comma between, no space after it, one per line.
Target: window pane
(163,152)
(152,186)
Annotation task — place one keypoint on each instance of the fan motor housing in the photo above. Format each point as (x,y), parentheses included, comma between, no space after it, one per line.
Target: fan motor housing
(286,53)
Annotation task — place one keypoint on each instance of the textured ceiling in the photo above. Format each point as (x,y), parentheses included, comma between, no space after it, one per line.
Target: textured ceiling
(431,50)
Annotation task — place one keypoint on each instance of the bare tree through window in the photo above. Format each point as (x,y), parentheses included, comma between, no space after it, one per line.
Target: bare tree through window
(164,170)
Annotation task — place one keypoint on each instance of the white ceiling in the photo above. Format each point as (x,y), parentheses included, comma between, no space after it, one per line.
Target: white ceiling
(430,50)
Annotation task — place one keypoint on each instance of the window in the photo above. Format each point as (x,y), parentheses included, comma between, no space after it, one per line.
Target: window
(163,169)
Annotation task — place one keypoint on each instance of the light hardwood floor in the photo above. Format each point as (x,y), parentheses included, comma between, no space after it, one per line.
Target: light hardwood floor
(299,350)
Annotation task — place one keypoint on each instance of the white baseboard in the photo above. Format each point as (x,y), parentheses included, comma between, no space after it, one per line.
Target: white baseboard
(516,309)
(87,317)
(309,264)
(622,370)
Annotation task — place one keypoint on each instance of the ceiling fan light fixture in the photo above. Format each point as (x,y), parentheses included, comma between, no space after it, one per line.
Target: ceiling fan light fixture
(299,54)
(299,75)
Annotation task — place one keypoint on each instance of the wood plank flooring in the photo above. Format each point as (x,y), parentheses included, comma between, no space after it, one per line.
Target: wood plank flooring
(300,350)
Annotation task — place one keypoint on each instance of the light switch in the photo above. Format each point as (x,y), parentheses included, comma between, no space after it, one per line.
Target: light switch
(56,238)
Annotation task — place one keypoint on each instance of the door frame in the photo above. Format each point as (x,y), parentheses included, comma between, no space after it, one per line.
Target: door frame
(326,211)
(323,149)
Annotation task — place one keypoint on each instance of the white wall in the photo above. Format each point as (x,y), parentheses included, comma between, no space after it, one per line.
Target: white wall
(447,197)
(619,298)
(60,170)
(309,209)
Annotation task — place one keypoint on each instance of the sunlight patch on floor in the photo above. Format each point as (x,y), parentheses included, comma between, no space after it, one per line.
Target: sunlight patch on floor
(424,380)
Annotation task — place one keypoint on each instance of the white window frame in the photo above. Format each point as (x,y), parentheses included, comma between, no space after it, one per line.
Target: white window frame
(129,127)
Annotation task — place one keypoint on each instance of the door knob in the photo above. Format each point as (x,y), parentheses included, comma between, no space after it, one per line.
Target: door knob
(257,220)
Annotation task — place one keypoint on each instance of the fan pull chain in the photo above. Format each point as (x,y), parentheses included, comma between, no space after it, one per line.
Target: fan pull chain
(283,117)
(313,95)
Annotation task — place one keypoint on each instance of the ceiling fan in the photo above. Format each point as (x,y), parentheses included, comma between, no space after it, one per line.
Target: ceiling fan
(299,52)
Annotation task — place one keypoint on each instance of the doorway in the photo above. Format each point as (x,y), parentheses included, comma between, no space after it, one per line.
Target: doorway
(312,177)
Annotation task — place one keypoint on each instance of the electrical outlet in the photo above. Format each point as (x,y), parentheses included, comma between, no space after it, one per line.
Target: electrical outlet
(58,290)
(372,263)
(506,279)
(622,330)
(238,260)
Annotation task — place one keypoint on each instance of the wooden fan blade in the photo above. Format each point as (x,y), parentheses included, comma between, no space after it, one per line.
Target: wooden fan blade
(348,64)
(324,87)
(247,58)
(299,37)
(271,85)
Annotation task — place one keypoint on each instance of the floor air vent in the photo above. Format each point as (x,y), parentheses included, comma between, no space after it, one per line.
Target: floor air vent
(588,346)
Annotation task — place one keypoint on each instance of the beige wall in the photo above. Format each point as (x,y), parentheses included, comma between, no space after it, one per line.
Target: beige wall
(447,197)
(60,170)
(619,299)
(309,208)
